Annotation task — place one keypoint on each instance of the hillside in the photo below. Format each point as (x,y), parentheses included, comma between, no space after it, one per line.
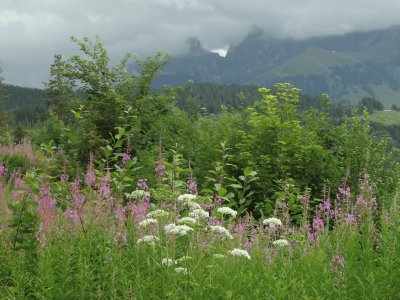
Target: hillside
(347,67)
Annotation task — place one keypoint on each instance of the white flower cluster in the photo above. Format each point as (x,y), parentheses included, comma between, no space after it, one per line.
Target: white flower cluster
(199,214)
(272,222)
(148,239)
(179,230)
(181,270)
(221,230)
(158,213)
(168,262)
(137,194)
(227,211)
(280,243)
(240,252)
(192,205)
(186,197)
(187,220)
(147,222)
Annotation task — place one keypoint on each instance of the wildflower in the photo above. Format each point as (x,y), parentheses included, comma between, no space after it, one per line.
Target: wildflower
(199,214)
(71,214)
(3,170)
(64,177)
(192,205)
(148,239)
(90,179)
(218,256)
(221,230)
(158,214)
(192,187)
(179,230)
(181,270)
(272,222)
(305,199)
(350,219)
(104,187)
(147,222)
(142,184)
(337,265)
(121,237)
(227,211)
(168,262)
(186,197)
(240,252)
(159,169)
(218,200)
(187,220)
(125,157)
(138,194)
(280,243)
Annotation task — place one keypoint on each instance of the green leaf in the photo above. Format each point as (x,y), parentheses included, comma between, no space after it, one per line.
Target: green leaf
(222,192)
(247,171)
(236,186)
(121,131)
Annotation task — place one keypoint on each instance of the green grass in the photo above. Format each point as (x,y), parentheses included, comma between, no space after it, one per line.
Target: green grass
(386,118)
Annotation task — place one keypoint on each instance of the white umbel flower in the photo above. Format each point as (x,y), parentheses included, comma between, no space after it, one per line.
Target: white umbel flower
(227,211)
(179,230)
(186,197)
(158,213)
(199,214)
(168,262)
(181,270)
(137,194)
(280,243)
(148,239)
(192,205)
(240,252)
(272,222)
(148,222)
(221,230)
(187,220)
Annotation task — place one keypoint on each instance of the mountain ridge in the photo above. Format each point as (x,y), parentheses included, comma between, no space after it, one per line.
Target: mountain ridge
(347,67)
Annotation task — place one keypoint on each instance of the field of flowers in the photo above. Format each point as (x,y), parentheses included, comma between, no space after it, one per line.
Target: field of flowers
(84,237)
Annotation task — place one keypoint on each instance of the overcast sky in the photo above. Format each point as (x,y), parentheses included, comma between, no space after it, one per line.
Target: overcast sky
(32,31)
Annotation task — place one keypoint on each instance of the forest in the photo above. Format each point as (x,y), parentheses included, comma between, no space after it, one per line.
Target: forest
(111,189)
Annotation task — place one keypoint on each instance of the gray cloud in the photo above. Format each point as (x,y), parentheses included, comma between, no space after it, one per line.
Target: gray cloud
(31,32)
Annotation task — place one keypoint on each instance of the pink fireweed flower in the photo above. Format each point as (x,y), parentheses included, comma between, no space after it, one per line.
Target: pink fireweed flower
(104,188)
(218,200)
(64,177)
(19,183)
(139,209)
(305,199)
(337,265)
(90,179)
(350,219)
(159,170)
(142,184)
(192,187)
(3,170)
(71,214)
(46,205)
(125,157)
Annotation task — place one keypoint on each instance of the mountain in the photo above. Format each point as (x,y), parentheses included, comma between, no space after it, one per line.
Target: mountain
(347,67)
